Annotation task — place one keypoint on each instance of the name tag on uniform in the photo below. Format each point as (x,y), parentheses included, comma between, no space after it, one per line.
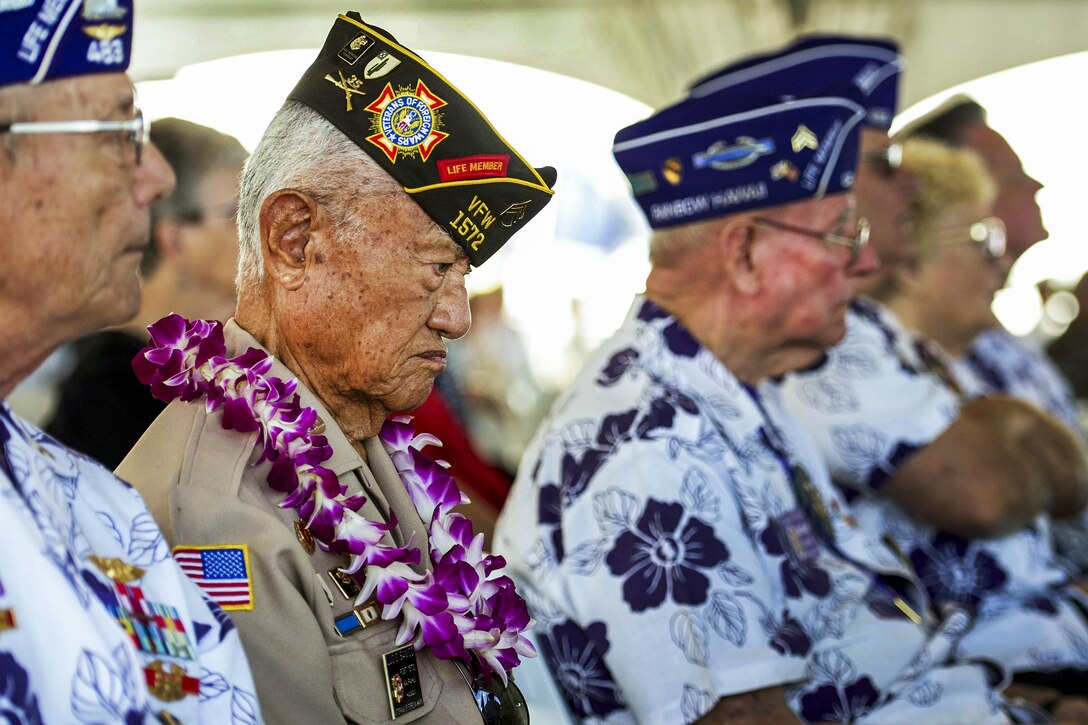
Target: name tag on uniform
(799,535)
(402,681)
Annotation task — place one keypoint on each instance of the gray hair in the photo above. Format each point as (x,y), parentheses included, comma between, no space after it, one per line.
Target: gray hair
(671,242)
(301,150)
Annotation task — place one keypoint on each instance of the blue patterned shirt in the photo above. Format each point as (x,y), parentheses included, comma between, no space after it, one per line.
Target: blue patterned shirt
(97,622)
(682,543)
(998,361)
(870,407)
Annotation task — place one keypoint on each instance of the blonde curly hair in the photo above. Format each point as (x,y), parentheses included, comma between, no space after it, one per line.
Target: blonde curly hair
(947,176)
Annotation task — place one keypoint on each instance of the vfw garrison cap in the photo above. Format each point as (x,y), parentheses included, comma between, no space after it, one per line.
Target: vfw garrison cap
(426,134)
(44,40)
(728,152)
(871,65)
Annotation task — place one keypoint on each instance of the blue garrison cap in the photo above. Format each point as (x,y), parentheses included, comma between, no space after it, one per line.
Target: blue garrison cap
(44,40)
(725,153)
(871,65)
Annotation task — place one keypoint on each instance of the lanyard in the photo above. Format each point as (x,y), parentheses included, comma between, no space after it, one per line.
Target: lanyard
(813,505)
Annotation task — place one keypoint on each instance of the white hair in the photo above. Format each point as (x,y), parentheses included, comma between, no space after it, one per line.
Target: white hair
(301,150)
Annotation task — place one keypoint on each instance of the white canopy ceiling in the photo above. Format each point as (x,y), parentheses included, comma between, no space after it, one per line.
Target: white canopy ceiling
(646,49)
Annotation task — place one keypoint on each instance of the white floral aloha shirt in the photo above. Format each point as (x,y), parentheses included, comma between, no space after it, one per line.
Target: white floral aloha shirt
(869,406)
(1001,362)
(676,554)
(92,606)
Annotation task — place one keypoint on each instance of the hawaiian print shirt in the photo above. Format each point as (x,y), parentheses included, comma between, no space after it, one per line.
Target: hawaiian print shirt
(682,543)
(97,622)
(879,397)
(1001,362)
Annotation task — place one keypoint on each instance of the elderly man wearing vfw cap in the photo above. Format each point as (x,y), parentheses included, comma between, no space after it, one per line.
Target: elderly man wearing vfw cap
(687,557)
(97,622)
(359,594)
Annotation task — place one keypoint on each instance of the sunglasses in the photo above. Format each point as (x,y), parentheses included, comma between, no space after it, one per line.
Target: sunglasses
(498,704)
(988,234)
(854,244)
(136,129)
(885,161)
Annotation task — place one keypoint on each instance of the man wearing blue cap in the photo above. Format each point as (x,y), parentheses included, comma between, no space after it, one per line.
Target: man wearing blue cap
(97,622)
(366,598)
(688,557)
(960,486)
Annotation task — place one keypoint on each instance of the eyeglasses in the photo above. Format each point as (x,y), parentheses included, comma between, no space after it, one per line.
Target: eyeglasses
(498,705)
(137,128)
(988,233)
(855,244)
(886,161)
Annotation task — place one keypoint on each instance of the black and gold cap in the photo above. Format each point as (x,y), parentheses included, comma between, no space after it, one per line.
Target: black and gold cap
(426,134)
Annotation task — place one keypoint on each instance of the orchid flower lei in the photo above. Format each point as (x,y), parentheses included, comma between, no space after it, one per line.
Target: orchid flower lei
(463,609)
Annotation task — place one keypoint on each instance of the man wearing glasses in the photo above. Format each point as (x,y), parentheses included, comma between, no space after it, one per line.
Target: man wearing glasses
(687,556)
(1004,362)
(188,267)
(97,622)
(961,486)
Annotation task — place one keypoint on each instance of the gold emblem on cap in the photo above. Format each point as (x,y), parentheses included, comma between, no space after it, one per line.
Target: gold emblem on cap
(804,138)
(513,214)
(349,86)
(318,427)
(116,569)
(673,170)
(304,536)
(104,32)
(784,170)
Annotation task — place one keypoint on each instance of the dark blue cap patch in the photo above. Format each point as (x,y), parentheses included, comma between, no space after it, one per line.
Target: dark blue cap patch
(814,64)
(726,153)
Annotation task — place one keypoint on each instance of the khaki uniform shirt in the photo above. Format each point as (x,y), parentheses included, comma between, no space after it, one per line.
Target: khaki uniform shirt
(200,484)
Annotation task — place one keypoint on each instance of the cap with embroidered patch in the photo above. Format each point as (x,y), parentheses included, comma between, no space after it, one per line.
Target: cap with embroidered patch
(871,65)
(726,153)
(45,40)
(426,134)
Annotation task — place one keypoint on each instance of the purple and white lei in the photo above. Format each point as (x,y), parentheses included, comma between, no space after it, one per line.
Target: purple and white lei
(463,609)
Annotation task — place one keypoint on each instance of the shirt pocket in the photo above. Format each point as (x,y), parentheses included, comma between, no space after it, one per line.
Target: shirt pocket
(359,677)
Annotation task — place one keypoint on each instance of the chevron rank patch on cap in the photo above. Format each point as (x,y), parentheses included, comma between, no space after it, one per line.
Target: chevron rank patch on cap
(426,134)
(44,40)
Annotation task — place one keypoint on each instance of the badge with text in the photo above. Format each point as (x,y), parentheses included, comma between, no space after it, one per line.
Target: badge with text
(798,533)
(402,681)
(405,121)
(482,166)
(355,48)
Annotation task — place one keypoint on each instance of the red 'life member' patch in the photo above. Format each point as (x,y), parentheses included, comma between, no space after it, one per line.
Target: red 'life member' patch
(482,166)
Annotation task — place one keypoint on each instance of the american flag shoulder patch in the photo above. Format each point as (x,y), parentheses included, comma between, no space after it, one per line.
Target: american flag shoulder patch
(222,572)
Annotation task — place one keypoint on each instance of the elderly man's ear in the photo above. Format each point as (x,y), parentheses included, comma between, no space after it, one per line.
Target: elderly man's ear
(290,226)
(742,264)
